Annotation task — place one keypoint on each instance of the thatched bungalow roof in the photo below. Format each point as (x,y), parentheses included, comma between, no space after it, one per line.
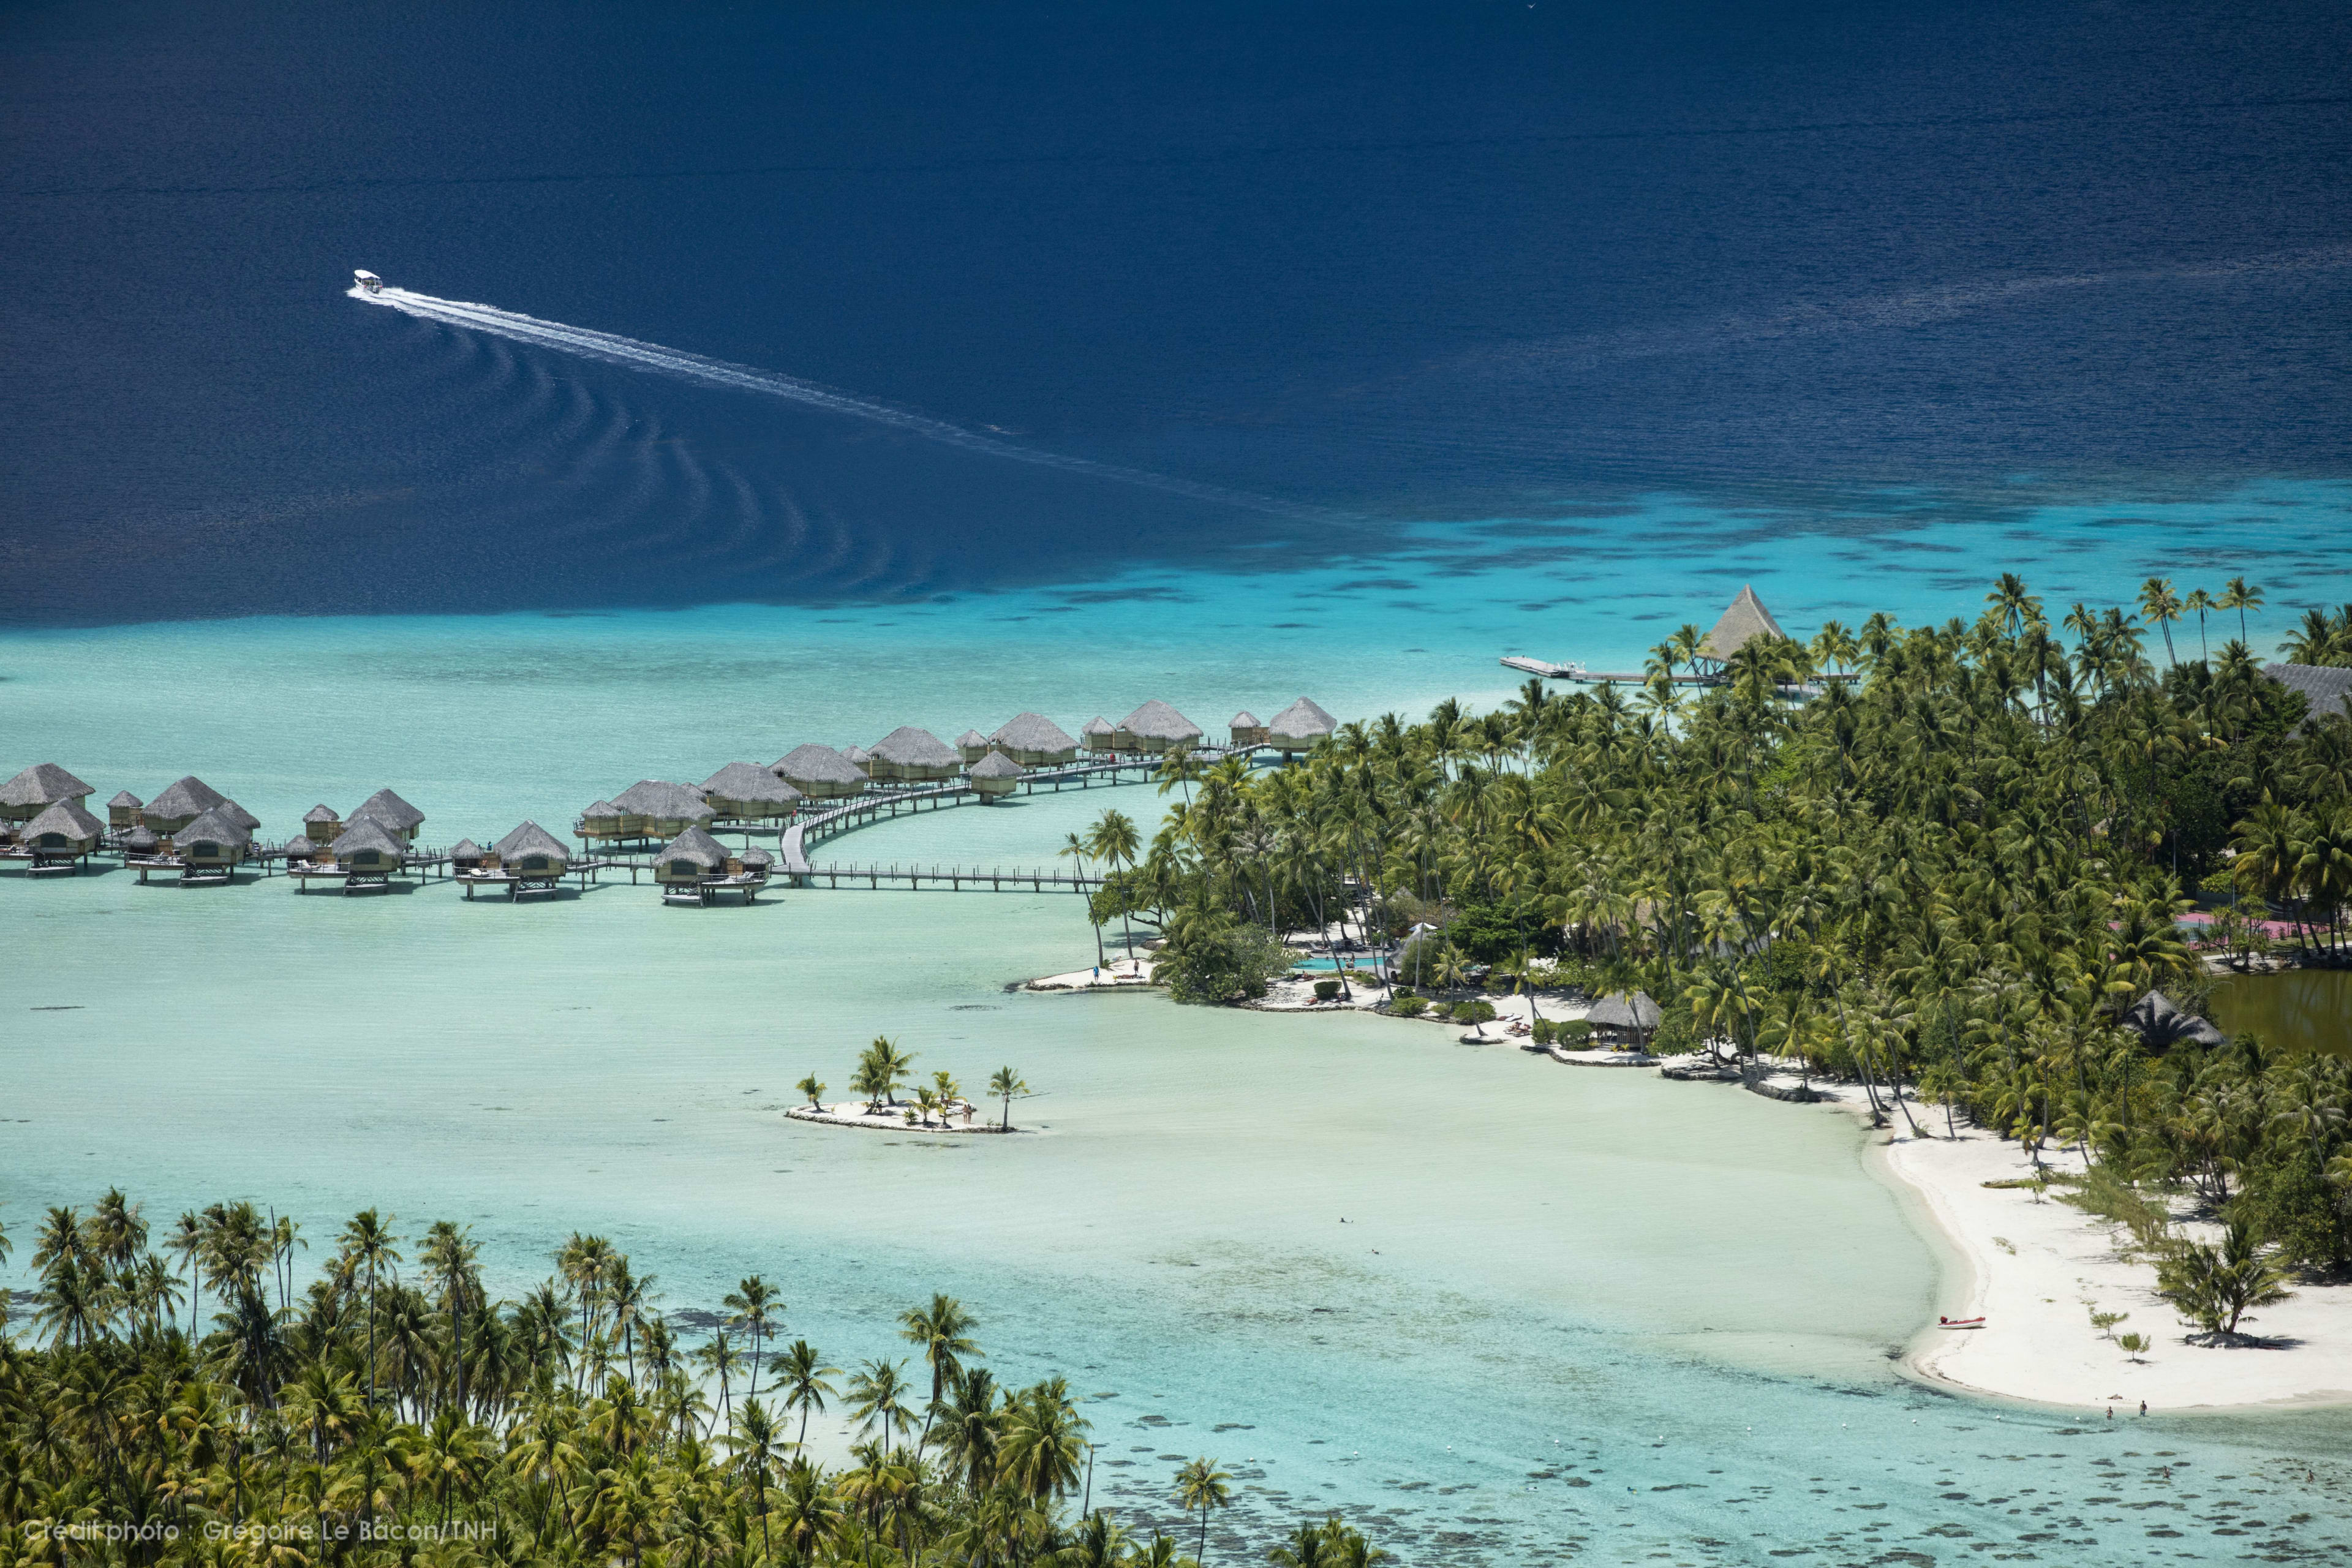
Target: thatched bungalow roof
(997,765)
(124,801)
(1745,620)
(214,827)
(142,841)
(604,817)
(2160,1022)
(820,771)
(696,847)
(184,801)
(530,838)
(757,860)
(1248,731)
(972,745)
(302,847)
(392,811)
(1033,739)
(662,801)
(464,852)
(238,815)
(1156,724)
(42,784)
(747,789)
(2324,688)
(1297,727)
(1619,1011)
(320,814)
(1097,725)
(858,757)
(66,819)
(368,832)
(907,747)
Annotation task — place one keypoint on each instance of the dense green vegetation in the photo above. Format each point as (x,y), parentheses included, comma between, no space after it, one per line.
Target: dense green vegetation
(390,1411)
(1946,873)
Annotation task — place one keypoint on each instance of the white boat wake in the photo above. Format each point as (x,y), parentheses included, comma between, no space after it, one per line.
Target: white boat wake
(613,349)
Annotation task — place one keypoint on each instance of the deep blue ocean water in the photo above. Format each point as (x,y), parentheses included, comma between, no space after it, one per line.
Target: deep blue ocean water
(1838,268)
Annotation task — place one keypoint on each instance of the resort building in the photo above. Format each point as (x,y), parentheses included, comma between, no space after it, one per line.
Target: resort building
(214,841)
(746,792)
(1247,731)
(1618,1019)
(464,855)
(300,850)
(2325,689)
(181,804)
(396,815)
(909,755)
(656,808)
(140,843)
(600,822)
(972,745)
(690,858)
(997,775)
(62,836)
(1098,737)
(532,852)
(819,773)
(123,810)
(1298,727)
(859,758)
(1745,620)
(321,826)
(1153,728)
(1036,741)
(369,847)
(37,788)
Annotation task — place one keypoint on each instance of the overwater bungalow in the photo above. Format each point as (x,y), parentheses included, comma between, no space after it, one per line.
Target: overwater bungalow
(368,852)
(181,804)
(61,837)
(141,843)
(1035,742)
(37,788)
(464,855)
(686,864)
(1246,730)
(997,775)
(321,826)
(861,758)
(1618,1019)
(1099,736)
(212,845)
(1745,620)
(909,755)
(972,745)
(1153,728)
(531,860)
(123,810)
(601,823)
(402,818)
(1298,727)
(300,850)
(747,793)
(819,772)
(656,808)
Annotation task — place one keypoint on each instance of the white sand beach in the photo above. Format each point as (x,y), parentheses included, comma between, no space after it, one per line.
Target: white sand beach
(893,1118)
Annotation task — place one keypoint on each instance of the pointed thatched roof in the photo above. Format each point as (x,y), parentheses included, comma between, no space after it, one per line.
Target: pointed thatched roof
(857,756)
(142,841)
(391,810)
(972,738)
(1304,722)
(1155,720)
(997,765)
(302,847)
(123,801)
(530,838)
(238,815)
(1034,732)
(907,747)
(320,814)
(2160,1022)
(660,798)
(464,849)
(189,797)
(67,818)
(748,782)
(367,833)
(214,827)
(756,859)
(1619,1011)
(602,811)
(1097,725)
(41,784)
(697,845)
(1745,620)
(815,764)
(1244,719)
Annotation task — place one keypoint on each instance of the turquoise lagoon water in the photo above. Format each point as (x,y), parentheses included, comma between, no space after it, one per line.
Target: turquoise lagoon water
(1501,1310)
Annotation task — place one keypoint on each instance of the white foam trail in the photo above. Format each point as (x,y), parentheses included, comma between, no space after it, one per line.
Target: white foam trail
(613,349)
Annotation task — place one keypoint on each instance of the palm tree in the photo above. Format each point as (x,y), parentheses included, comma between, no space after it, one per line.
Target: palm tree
(877,1396)
(2158,602)
(754,1307)
(2238,595)
(802,1376)
(1114,838)
(1004,1084)
(448,1257)
(369,1245)
(814,1088)
(1074,849)
(2200,603)
(1044,1437)
(944,1333)
(757,1451)
(1200,1485)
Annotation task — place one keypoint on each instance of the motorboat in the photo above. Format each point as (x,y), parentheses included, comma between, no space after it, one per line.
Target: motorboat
(1959,1323)
(367,280)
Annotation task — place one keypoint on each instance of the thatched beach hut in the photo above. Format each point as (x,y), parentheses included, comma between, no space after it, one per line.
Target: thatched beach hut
(396,815)
(1097,735)
(1246,730)
(746,792)
(1618,1019)
(62,833)
(464,855)
(214,841)
(997,775)
(531,853)
(1153,728)
(123,810)
(909,755)
(599,822)
(819,773)
(656,808)
(1035,742)
(690,858)
(1297,727)
(858,757)
(369,847)
(1745,620)
(321,826)
(37,788)
(181,802)
(971,745)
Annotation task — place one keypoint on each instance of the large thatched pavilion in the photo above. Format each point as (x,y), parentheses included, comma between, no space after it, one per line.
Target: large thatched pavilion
(1745,620)
(748,793)
(909,755)
(1155,728)
(656,808)
(1298,727)
(819,773)
(1035,742)
(1618,1019)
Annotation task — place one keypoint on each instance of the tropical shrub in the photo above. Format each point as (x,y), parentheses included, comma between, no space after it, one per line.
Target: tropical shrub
(1575,1032)
(1473,1012)
(1544,1032)
(1209,957)
(1405,1005)
(2216,1287)
(1327,991)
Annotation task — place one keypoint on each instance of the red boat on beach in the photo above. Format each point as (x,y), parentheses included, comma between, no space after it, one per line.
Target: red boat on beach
(1959,1323)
